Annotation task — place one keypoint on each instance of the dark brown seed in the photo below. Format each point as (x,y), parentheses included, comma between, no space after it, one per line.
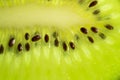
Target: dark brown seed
(108,26)
(93,3)
(56,42)
(20,47)
(64,46)
(11,42)
(96,12)
(1,49)
(72,45)
(46,38)
(94,29)
(27,36)
(84,30)
(27,46)
(102,35)
(55,34)
(90,39)
(36,38)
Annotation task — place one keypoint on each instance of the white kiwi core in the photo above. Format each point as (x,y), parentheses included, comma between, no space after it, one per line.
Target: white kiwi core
(43,15)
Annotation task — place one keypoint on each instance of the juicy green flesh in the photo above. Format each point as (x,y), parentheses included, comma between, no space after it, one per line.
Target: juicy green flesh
(89,61)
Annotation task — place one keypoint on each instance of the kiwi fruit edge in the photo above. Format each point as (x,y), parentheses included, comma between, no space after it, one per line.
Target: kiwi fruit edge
(59,40)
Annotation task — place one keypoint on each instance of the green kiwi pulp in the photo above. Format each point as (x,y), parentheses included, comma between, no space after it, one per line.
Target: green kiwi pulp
(59,40)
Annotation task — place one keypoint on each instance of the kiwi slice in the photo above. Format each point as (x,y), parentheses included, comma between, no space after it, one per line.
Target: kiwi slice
(59,40)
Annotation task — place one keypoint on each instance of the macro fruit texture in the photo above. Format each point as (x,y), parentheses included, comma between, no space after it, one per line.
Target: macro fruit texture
(59,40)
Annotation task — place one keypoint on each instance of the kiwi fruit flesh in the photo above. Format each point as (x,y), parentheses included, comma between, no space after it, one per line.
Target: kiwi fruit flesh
(59,40)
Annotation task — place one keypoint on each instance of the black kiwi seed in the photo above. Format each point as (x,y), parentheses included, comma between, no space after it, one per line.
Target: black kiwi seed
(102,35)
(91,39)
(108,26)
(11,42)
(94,29)
(27,36)
(93,3)
(46,38)
(27,46)
(96,12)
(1,49)
(72,45)
(84,30)
(56,42)
(64,46)
(36,38)
(20,47)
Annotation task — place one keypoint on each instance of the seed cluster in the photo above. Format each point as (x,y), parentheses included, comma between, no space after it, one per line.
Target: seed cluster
(57,41)
(93,4)
(94,29)
(35,38)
